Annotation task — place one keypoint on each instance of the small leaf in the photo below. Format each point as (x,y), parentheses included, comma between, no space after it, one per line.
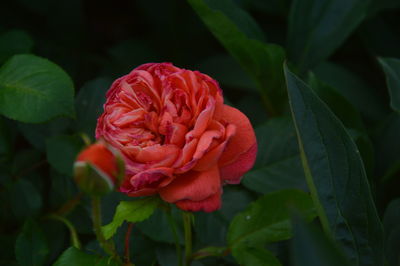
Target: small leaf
(131,211)
(76,257)
(312,248)
(14,42)
(391,66)
(33,90)
(317,28)
(61,152)
(336,177)
(267,219)
(31,247)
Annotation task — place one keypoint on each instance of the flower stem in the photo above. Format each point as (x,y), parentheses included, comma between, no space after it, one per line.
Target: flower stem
(74,236)
(172,224)
(96,216)
(187,226)
(127,239)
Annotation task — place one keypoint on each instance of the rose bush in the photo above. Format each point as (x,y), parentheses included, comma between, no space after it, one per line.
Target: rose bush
(178,138)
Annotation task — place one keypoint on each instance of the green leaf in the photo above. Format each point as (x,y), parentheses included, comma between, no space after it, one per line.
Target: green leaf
(131,211)
(25,199)
(391,66)
(31,247)
(89,104)
(357,91)
(37,134)
(255,257)
(33,89)
(61,152)
(267,219)
(14,42)
(278,164)
(76,257)
(312,248)
(317,28)
(335,176)
(261,61)
(158,227)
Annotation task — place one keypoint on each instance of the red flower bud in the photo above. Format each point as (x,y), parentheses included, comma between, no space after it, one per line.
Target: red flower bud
(98,169)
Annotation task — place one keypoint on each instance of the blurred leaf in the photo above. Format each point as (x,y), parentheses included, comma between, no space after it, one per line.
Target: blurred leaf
(62,189)
(391,222)
(381,35)
(210,229)
(312,248)
(25,199)
(33,89)
(14,42)
(256,257)
(275,7)
(31,247)
(334,170)
(318,28)
(131,211)
(61,152)
(37,134)
(158,228)
(7,139)
(76,257)
(89,104)
(391,66)
(261,61)
(358,92)
(25,159)
(239,17)
(227,72)
(381,5)
(267,219)
(278,164)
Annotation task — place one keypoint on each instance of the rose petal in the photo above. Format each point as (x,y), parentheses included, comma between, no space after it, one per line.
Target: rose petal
(158,155)
(209,204)
(233,172)
(193,186)
(244,138)
(151,179)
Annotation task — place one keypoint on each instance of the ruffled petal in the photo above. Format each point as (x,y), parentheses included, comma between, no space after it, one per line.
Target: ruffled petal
(242,141)
(209,204)
(192,185)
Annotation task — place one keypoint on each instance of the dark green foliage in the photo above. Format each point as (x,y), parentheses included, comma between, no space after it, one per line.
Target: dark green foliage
(59,58)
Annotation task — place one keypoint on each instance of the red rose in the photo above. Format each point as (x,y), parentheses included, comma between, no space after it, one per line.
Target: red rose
(178,138)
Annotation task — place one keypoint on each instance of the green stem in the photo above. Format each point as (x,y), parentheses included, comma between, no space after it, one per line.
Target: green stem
(74,236)
(187,226)
(96,216)
(172,224)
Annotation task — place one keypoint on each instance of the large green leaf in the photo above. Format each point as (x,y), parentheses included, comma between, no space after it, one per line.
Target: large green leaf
(312,248)
(318,27)
(31,247)
(278,164)
(131,211)
(261,61)
(33,89)
(14,42)
(267,220)
(336,177)
(76,257)
(25,199)
(391,66)
(391,222)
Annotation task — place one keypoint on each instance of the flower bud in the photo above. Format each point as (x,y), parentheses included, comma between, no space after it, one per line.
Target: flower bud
(98,169)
